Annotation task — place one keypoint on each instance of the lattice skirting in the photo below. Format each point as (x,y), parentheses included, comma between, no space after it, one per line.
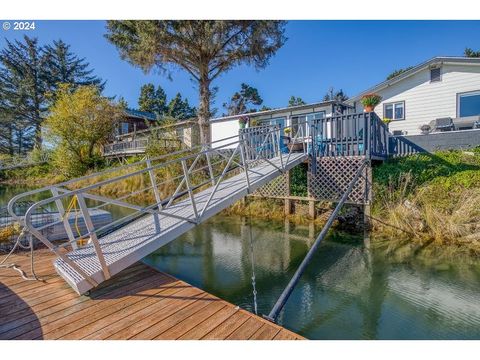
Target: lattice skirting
(278,187)
(333,177)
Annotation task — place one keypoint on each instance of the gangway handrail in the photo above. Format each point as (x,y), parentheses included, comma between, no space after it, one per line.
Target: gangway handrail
(282,300)
(236,146)
(13,200)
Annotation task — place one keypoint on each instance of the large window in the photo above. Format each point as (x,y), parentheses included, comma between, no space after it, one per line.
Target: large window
(302,120)
(468,104)
(394,111)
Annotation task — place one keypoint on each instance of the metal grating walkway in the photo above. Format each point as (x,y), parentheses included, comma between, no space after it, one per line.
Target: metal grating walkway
(136,240)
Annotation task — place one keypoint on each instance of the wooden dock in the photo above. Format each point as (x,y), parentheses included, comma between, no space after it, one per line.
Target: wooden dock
(137,303)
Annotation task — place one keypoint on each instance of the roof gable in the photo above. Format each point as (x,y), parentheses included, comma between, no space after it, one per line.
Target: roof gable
(439,60)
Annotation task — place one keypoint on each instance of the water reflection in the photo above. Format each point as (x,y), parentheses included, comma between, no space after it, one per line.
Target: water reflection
(349,291)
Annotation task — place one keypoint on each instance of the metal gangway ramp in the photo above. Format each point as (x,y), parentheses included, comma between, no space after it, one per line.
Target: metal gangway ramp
(160,199)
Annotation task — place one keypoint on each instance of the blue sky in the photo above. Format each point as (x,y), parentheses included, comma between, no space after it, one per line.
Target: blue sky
(351,55)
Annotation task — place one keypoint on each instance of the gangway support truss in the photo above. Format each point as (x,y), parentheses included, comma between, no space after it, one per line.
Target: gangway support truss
(179,191)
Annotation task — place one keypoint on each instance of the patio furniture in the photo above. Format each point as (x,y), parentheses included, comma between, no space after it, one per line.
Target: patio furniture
(466,122)
(443,124)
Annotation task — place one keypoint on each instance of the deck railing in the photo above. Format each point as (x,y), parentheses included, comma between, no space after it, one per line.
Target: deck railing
(137,146)
(362,134)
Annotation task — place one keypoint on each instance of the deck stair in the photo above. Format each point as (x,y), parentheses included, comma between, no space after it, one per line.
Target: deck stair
(206,180)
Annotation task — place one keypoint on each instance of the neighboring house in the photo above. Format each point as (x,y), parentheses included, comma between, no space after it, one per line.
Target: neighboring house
(227,126)
(135,120)
(442,87)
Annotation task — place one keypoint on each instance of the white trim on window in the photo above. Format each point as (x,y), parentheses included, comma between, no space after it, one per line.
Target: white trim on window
(394,105)
(468,93)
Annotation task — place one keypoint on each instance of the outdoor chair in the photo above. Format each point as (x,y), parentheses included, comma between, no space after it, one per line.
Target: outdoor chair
(444,124)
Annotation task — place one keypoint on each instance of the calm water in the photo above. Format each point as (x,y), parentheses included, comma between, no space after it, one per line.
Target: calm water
(351,290)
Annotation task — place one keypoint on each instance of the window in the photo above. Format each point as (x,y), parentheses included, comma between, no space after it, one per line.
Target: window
(468,104)
(123,128)
(394,111)
(303,120)
(435,75)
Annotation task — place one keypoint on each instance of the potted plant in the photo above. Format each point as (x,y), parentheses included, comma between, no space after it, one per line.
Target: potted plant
(242,121)
(425,129)
(254,122)
(369,101)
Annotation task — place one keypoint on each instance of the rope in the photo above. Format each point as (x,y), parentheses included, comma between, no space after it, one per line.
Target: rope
(255,307)
(18,244)
(73,204)
(15,266)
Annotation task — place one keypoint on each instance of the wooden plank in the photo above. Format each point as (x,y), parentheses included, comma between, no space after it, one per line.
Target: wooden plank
(105,317)
(285,335)
(191,322)
(209,324)
(63,316)
(101,310)
(138,303)
(189,295)
(136,312)
(195,305)
(223,330)
(246,330)
(265,332)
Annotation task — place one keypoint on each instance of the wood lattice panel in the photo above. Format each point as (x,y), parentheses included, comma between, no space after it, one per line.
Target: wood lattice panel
(278,187)
(333,177)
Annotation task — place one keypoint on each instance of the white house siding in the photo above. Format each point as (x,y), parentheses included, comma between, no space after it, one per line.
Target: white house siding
(224,129)
(425,101)
(221,129)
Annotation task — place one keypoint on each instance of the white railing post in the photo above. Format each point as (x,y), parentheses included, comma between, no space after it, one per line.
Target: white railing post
(65,219)
(93,236)
(279,139)
(245,164)
(158,199)
(209,163)
(219,180)
(189,189)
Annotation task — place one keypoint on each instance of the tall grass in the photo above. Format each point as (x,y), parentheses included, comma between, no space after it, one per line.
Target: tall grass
(430,198)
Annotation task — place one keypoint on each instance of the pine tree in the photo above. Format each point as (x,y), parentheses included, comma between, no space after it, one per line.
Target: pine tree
(295,101)
(152,100)
(180,109)
(23,87)
(63,66)
(241,100)
(204,49)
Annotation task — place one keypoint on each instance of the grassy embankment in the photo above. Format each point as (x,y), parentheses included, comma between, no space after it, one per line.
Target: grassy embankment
(425,198)
(431,198)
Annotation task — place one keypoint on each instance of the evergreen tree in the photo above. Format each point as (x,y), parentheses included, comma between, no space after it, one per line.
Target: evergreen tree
(335,95)
(23,87)
(28,74)
(240,101)
(471,53)
(204,49)
(63,66)
(151,100)
(180,109)
(295,101)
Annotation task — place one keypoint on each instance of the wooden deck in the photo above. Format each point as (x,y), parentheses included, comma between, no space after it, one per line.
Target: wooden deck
(137,303)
